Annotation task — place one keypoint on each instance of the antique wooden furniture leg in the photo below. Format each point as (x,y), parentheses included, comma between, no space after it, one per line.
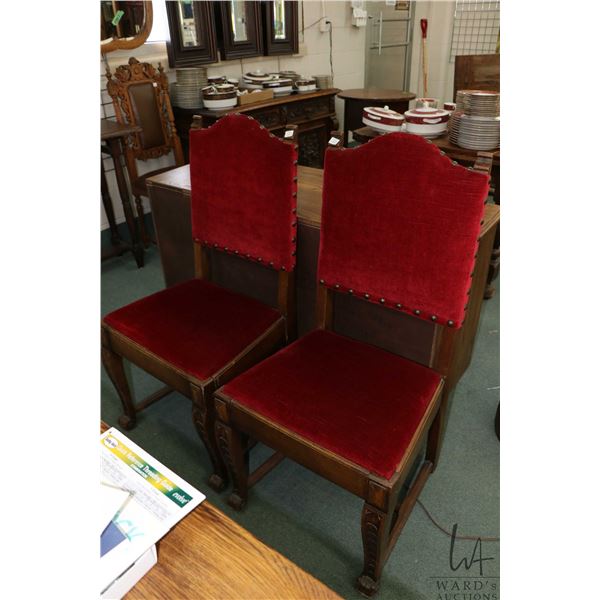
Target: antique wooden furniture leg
(232,447)
(145,236)
(138,251)
(115,238)
(204,420)
(113,363)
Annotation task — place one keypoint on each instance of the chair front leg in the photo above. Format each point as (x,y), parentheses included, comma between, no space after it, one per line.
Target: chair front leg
(113,364)
(375,527)
(233,446)
(145,238)
(203,416)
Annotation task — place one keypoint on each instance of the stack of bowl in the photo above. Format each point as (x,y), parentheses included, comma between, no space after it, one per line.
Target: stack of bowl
(475,123)
(427,121)
(304,85)
(279,85)
(220,96)
(255,79)
(186,91)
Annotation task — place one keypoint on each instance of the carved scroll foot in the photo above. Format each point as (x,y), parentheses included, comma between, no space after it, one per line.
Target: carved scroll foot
(236,502)
(126,422)
(366,585)
(217,482)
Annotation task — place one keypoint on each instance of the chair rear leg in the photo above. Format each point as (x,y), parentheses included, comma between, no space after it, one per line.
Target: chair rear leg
(113,363)
(203,415)
(436,432)
(233,446)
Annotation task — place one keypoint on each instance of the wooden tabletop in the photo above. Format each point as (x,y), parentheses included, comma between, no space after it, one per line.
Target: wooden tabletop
(111,129)
(378,94)
(207,555)
(310,191)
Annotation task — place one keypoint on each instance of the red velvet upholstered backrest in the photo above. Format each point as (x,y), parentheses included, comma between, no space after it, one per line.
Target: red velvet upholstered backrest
(244,191)
(400,226)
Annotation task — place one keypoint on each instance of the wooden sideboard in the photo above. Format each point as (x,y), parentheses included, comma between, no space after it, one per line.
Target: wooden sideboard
(393,330)
(313,113)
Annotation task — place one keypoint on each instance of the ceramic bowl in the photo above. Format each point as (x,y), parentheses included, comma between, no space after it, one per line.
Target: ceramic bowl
(426,103)
(382,119)
(426,121)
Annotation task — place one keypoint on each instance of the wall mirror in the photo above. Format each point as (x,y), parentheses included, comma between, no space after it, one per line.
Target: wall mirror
(281,27)
(192,31)
(241,29)
(124,25)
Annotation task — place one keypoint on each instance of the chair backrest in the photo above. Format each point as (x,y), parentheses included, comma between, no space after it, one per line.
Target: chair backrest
(244,188)
(477,72)
(400,225)
(140,96)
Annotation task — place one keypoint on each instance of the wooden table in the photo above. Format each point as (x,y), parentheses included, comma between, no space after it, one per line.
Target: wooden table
(356,100)
(113,134)
(207,555)
(313,113)
(466,157)
(395,331)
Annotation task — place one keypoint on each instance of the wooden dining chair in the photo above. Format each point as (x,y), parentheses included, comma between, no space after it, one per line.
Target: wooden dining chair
(400,225)
(140,95)
(196,336)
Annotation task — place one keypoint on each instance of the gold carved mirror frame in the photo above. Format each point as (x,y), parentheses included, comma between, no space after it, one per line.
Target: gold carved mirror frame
(130,42)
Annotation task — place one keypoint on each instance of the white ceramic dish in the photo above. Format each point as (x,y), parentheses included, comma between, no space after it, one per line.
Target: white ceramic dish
(220,104)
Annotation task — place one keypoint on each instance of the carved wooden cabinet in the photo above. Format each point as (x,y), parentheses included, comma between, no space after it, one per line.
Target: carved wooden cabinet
(313,113)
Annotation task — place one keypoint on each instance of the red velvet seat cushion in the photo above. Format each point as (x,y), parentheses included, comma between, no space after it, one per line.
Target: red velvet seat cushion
(361,402)
(196,326)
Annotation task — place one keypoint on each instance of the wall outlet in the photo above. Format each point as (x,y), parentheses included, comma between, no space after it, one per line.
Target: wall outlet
(324,25)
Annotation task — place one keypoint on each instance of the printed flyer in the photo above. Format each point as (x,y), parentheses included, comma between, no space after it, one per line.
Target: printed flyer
(159,499)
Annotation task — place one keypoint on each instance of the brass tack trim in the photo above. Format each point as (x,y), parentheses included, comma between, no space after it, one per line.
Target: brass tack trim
(322,281)
(337,286)
(433,318)
(382,300)
(351,291)
(398,305)
(450,323)
(417,311)
(271,263)
(367,296)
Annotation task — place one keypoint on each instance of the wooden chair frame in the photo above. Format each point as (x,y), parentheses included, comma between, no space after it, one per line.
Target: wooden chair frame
(385,510)
(116,347)
(118,87)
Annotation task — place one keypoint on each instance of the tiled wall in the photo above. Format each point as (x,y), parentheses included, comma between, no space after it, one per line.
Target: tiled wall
(313,59)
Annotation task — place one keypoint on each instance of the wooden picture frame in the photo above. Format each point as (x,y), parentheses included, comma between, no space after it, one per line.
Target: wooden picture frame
(115,43)
(206,50)
(288,45)
(253,44)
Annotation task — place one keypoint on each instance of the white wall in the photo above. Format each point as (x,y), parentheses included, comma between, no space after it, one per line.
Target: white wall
(313,59)
(440,80)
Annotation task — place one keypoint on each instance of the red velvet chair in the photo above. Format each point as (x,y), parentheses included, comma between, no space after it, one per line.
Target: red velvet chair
(196,336)
(399,228)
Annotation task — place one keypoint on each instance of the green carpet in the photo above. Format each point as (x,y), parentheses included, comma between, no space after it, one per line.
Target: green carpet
(316,524)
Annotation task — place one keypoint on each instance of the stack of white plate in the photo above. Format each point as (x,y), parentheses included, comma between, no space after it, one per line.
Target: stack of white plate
(478,103)
(187,88)
(475,123)
(474,133)
(324,82)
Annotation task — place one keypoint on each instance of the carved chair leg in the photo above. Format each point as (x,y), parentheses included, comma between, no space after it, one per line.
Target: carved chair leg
(232,445)
(113,363)
(203,415)
(375,526)
(140,214)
